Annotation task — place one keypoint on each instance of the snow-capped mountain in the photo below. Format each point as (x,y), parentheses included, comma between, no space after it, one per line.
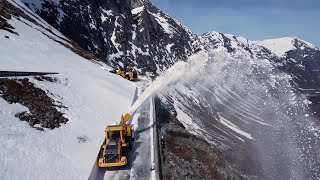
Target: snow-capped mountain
(235,46)
(271,48)
(281,46)
(239,112)
(121,33)
(292,55)
(297,58)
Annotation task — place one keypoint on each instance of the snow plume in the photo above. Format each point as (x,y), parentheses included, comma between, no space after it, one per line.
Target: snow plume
(170,77)
(251,101)
(173,75)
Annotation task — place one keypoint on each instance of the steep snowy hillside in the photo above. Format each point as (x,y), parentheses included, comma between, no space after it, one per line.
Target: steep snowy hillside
(121,33)
(87,95)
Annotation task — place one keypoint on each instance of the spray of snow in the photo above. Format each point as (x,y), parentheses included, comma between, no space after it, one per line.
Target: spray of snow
(250,101)
(172,75)
(170,78)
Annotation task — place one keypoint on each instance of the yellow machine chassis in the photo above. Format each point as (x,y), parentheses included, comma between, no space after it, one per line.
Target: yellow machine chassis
(103,164)
(129,77)
(125,133)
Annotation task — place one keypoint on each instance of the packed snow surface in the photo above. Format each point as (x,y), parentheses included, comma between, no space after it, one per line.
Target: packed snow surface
(94,97)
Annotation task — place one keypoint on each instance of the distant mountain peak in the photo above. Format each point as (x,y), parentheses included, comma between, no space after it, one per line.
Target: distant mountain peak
(263,48)
(280,46)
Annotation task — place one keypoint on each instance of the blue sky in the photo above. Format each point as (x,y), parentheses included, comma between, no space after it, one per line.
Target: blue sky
(253,19)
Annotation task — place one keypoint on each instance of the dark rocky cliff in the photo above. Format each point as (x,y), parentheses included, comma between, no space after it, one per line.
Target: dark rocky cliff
(121,32)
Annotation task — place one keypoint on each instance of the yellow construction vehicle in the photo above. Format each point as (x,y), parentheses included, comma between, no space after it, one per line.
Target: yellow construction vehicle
(117,145)
(129,74)
(120,73)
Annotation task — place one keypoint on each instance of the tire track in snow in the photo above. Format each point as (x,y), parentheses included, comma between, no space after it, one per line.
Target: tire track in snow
(112,173)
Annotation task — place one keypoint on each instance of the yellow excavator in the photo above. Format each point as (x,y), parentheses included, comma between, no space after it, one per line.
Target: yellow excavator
(116,148)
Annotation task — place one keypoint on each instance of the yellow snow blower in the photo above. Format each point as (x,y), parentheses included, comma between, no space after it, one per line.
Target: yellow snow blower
(129,74)
(117,145)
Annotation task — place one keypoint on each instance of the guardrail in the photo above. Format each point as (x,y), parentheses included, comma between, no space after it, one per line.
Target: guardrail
(22,73)
(157,160)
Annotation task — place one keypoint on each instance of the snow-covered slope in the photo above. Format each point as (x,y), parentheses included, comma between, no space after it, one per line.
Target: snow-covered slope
(278,46)
(92,96)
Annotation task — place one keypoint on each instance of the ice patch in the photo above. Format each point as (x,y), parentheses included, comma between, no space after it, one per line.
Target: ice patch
(169,46)
(108,12)
(137,10)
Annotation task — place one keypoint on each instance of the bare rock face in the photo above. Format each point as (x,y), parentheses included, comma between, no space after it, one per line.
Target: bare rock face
(303,63)
(42,109)
(5,14)
(186,156)
(121,33)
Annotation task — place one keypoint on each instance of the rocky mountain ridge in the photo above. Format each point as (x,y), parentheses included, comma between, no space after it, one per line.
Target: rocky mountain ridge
(291,55)
(121,33)
(135,33)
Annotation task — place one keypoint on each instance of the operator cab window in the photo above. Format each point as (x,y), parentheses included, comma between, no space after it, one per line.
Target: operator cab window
(114,134)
